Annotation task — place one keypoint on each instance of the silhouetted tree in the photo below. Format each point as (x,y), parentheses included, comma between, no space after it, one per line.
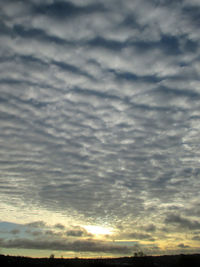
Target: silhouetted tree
(51,256)
(139,254)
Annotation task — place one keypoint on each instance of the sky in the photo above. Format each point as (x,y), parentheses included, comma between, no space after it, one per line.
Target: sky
(99,127)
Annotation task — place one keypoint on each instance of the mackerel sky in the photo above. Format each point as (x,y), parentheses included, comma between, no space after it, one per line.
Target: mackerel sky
(99,127)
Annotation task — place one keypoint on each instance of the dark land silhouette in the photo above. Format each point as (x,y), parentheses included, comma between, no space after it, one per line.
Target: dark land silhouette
(145,261)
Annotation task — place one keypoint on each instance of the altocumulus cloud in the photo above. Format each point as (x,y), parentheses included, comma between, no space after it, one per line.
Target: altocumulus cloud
(99,113)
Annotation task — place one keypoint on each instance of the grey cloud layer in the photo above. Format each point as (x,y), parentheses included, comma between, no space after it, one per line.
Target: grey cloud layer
(182,222)
(62,245)
(40,236)
(99,107)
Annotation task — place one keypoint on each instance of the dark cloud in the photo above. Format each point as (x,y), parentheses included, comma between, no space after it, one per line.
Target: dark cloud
(63,10)
(71,68)
(15,231)
(192,13)
(182,221)
(183,246)
(107,44)
(36,233)
(196,238)
(59,226)
(74,233)
(49,233)
(141,236)
(77,232)
(36,224)
(78,246)
(34,34)
(150,228)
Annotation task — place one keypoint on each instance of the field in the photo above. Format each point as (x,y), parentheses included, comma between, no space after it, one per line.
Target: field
(147,261)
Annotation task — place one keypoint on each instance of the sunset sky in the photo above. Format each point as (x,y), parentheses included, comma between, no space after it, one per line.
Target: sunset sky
(99,127)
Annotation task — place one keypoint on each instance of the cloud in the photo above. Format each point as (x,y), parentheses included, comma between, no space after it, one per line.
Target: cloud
(63,10)
(15,231)
(59,226)
(183,246)
(36,224)
(35,233)
(141,236)
(77,232)
(78,246)
(99,114)
(196,238)
(182,222)
(150,228)
(74,233)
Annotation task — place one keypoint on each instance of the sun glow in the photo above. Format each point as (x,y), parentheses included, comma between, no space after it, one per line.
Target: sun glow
(98,230)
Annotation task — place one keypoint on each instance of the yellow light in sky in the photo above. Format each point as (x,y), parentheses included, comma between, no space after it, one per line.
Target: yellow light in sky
(97,230)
